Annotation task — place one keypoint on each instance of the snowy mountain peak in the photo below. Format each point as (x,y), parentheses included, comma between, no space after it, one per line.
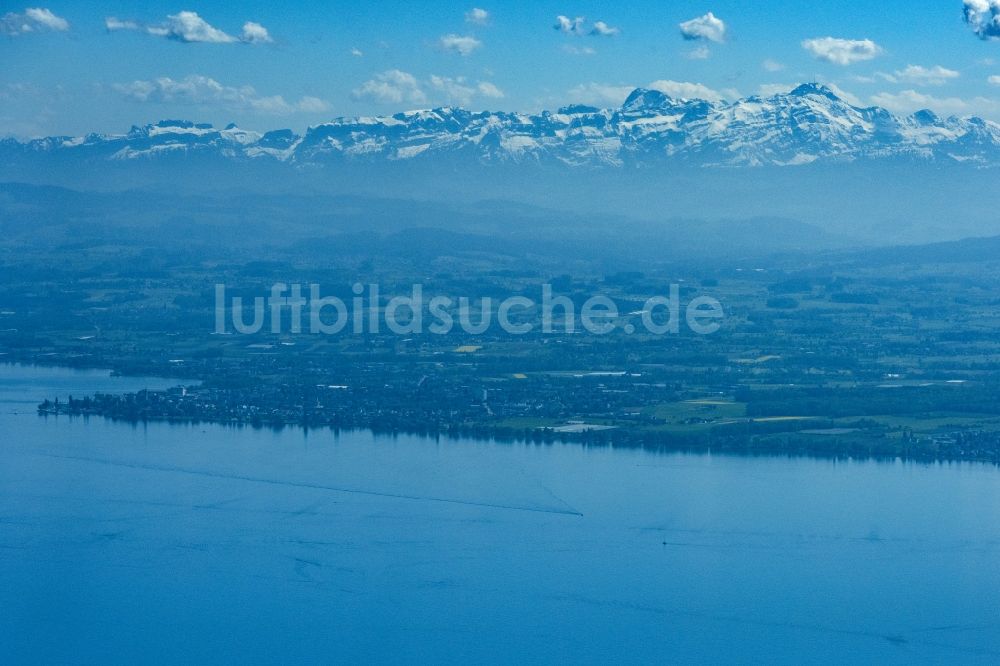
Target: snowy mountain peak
(926,117)
(814,89)
(645,99)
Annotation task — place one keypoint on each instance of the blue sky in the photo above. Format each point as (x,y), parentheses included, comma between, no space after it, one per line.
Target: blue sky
(65,72)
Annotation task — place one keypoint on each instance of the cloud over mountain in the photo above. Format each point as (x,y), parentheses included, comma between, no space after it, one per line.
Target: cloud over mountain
(908,101)
(393,86)
(603,93)
(932,76)
(397,87)
(460,91)
(842,51)
(599,93)
(197,90)
(686,90)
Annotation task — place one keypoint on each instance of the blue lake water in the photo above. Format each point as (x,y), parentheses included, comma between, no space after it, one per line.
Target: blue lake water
(155,543)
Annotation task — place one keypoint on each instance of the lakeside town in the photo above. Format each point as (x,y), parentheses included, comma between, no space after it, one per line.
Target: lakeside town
(876,362)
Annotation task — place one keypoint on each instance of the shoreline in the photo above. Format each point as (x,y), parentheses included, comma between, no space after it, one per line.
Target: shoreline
(658,443)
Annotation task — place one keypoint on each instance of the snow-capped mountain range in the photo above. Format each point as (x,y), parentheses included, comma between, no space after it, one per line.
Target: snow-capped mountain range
(807,124)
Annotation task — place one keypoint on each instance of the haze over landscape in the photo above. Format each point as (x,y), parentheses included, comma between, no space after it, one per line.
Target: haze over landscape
(536,333)
(891,130)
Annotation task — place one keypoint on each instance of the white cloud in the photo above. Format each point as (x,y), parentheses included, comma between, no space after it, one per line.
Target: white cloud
(700,52)
(455,91)
(602,29)
(850,98)
(188,28)
(34,19)
(309,104)
(477,16)
(273,105)
(20,90)
(569,26)
(688,90)
(46,19)
(578,50)
(396,87)
(842,51)
(356,52)
(770,65)
(578,27)
(771,89)
(909,101)
(198,90)
(392,86)
(463,45)
(598,94)
(112,23)
(460,91)
(983,16)
(929,76)
(994,80)
(463,92)
(704,27)
(487,89)
(255,33)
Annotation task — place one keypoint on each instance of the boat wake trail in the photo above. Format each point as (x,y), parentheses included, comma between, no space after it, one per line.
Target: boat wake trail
(568,511)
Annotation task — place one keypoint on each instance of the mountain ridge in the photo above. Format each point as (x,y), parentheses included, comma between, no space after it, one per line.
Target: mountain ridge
(808,124)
